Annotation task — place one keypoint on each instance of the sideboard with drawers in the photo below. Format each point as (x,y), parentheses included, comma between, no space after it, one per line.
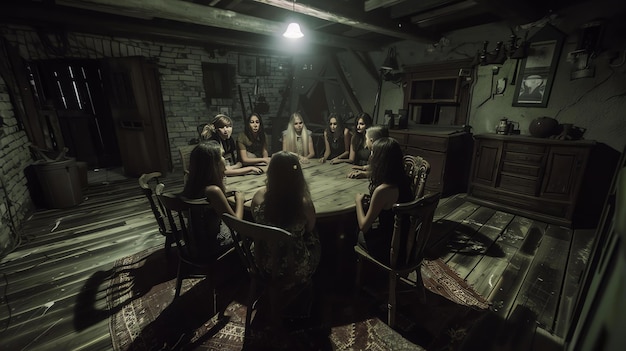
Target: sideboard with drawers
(538,178)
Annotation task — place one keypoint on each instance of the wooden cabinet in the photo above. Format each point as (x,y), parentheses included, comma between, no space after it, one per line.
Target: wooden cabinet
(446,149)
(437,93)
(533,177)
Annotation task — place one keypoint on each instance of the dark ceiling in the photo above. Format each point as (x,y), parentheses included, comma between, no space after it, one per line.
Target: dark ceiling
(256,25)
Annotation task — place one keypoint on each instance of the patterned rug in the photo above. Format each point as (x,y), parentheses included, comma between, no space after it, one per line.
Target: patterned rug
(146,317)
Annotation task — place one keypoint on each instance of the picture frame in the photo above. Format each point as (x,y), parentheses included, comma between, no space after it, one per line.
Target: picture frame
(537,71)
(247,65)
(263,66)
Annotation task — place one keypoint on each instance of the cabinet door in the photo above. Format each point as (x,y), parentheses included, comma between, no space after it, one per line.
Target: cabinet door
(486,162)
(563,173)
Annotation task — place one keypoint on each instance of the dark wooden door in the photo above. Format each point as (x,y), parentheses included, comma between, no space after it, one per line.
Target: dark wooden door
(135,98)
(71,97)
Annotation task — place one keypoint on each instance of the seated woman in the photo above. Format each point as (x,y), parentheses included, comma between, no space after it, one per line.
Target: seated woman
(372,134)
(336,140)
(389,184)
(222,127)
(289,207)
(297,139)
(359,155)
(252,144)
(206,180)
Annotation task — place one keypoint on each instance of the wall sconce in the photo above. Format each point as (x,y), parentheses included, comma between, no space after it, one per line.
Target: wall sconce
(587,50)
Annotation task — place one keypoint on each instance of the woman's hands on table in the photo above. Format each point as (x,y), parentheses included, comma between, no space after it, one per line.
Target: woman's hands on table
(239,197)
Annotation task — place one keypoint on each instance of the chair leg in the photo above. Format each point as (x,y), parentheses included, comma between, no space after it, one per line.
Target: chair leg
(359,268)
(179,280)
(391,305)
(249,309)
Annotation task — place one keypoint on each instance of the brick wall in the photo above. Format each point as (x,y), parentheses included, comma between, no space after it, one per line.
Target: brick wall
(15,202)
(180,67)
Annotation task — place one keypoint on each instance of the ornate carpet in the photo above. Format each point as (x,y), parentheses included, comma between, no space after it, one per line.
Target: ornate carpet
(146,317)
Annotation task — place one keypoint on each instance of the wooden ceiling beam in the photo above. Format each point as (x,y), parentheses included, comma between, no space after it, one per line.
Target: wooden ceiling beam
(404,31)
(188,12)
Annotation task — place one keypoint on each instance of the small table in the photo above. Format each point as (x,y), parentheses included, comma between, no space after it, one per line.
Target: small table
(331,190)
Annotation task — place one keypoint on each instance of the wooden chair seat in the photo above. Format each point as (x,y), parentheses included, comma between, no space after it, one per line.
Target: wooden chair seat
(247,235)
(419,216)
(191,265)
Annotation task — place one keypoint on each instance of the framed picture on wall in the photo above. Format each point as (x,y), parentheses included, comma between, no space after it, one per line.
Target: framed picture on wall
(247,65)
(536,73)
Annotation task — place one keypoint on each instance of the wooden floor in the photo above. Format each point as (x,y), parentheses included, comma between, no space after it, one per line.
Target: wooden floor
(529,270)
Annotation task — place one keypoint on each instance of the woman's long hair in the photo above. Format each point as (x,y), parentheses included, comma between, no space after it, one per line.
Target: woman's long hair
(260,135)
(358,139)
(387,165)
(286,189)
(290,135)
(204,170)
(338,134)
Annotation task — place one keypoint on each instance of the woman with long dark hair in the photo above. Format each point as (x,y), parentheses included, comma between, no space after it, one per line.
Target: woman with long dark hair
(206,180)
(336,140)
(389,185)
(359,155)
(252,142)
(285,202)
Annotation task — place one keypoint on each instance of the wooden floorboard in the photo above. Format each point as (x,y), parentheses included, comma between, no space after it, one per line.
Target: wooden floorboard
(66,253)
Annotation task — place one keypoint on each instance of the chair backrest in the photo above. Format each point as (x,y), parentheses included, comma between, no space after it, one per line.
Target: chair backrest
(185,153)
(412,224)
(246,233)
(417,168)
(148,182)
(179,214)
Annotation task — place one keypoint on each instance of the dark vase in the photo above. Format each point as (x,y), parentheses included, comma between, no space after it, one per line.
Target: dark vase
(543,127)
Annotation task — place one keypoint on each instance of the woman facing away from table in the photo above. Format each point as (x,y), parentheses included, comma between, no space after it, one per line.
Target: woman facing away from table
(252,143)
(372,134)
(389,184)
(222,127)
(297,139)
(206,180)
(291,208)
(336,140)
(359,155)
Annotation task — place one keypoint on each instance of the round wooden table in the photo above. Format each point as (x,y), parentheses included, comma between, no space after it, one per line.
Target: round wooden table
(331,190)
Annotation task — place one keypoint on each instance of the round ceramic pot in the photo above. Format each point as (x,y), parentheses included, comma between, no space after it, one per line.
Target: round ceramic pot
(543,127)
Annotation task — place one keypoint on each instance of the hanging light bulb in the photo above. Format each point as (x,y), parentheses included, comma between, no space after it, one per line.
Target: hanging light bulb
(293,29)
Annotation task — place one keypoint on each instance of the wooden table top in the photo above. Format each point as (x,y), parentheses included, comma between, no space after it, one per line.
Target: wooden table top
(331,190)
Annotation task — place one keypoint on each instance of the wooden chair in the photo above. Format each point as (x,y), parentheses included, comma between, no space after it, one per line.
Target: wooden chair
(418,216)
(185,152)
(193,263)
(247,235)
(148,183)
(417,168)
